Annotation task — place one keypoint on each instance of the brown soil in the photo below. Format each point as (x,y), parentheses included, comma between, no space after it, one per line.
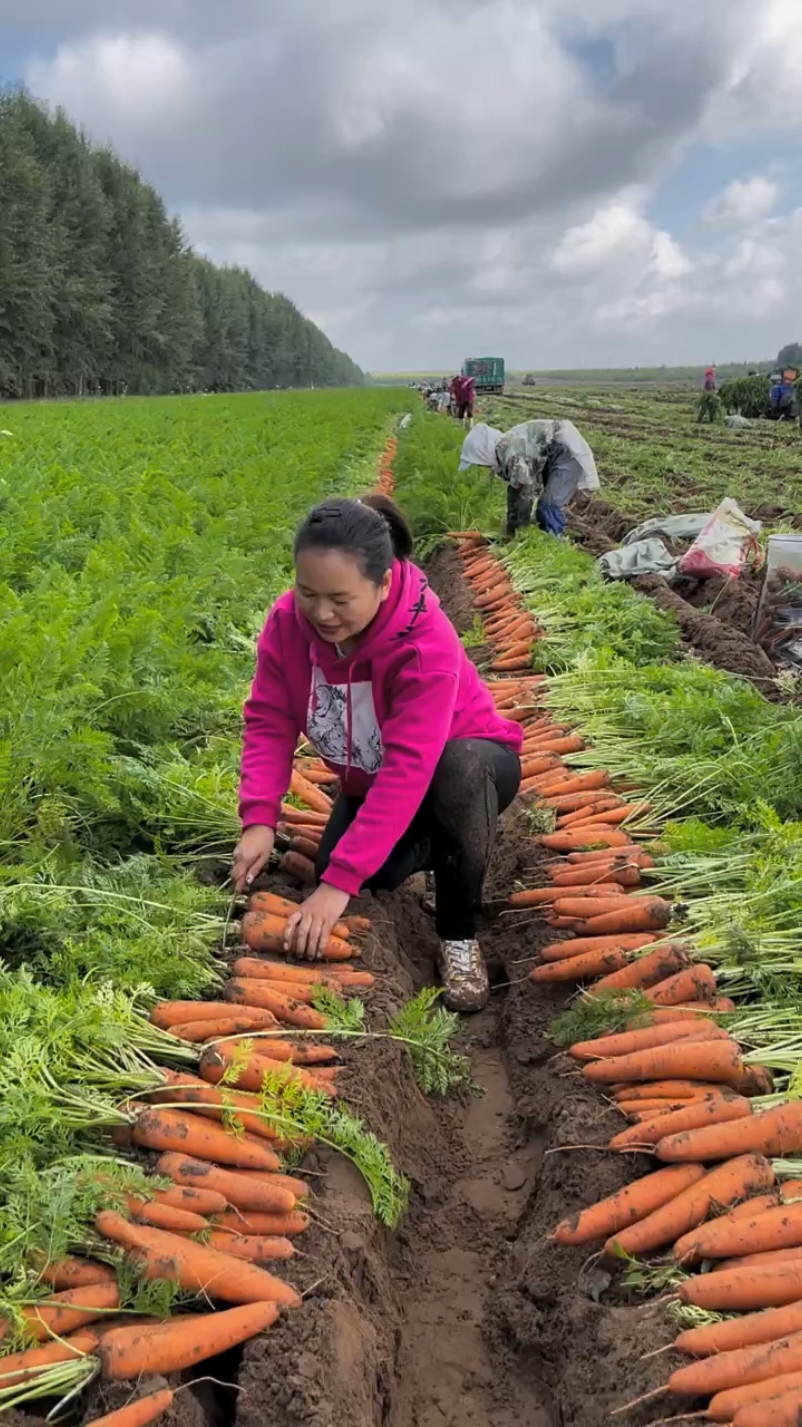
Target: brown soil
(714,616)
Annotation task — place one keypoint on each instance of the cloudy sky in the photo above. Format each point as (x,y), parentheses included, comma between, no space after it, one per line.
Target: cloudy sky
(610,183)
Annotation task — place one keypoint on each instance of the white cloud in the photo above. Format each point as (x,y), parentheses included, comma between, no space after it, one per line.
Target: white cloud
(742,202)
(137,80)
(618,237)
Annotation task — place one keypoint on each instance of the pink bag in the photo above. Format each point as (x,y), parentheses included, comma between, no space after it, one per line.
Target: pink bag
(728,541)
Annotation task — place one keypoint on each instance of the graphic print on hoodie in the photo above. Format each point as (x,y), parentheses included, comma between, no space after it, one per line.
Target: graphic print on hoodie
(327,724)
(380,716)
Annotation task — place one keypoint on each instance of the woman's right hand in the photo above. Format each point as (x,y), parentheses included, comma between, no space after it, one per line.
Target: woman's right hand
(250,855)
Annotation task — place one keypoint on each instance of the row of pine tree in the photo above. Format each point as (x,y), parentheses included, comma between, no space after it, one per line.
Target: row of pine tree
(100,294)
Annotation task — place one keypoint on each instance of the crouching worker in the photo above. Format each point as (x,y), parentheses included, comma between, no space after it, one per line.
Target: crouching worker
(543,461)
(361,659)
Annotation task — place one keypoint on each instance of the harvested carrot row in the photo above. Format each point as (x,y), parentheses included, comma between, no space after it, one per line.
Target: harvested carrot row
(165,1130)
(194,1267)
(242,1193)
(716,1060)
(777,1133)
(749,1174)
(628,1206)
(627,1043)
(171,1015)
(645,972)
(712,1111)
(778,1228)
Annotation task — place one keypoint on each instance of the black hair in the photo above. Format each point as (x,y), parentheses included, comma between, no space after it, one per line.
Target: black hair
(372,529)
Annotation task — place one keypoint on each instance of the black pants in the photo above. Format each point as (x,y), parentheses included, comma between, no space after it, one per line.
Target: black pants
(520,502)
(452,833)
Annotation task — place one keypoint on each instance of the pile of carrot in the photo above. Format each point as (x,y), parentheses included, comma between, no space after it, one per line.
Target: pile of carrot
(673,1072)
(385,482)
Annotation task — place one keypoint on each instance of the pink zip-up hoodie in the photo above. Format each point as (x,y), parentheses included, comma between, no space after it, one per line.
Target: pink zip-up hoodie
(379,717)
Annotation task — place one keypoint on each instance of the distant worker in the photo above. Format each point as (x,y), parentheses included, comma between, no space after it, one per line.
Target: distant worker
(710,379)
(466,398)
(545,460)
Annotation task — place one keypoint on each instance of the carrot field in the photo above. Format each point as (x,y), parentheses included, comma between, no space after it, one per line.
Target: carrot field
(234,1189)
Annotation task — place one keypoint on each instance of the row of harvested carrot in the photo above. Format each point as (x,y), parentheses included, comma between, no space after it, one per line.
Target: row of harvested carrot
(226,1185)
(675,1073)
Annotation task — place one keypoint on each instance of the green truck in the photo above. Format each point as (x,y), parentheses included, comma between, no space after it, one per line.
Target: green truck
(487,372)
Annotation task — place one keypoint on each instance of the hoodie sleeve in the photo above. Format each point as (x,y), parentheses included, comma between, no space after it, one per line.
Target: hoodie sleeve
(271,733)
(413,739)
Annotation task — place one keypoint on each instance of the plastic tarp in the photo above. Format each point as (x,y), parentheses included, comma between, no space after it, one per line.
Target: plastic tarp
(641,557)
(644,553)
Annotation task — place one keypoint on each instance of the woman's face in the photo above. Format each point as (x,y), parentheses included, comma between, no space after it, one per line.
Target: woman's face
(335,596)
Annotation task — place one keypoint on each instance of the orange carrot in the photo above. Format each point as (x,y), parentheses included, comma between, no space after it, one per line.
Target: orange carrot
(580,968)
(16,1368)
(626,1043)
(739,1367)
(743,1290)
(302,995)
(298,866)
(711,1110)
(667,1090)
(128,1353)
(194,1267)
(313,797)
(251,1222)
(646,971)
(777,1228)
(595,837)
(717,1060)
(165,1130)
(782,1410)
(578,908)
(750,1174)
(289,814)
(628,1206)
(76,1273)
(263,931)
(726,1406)
(263,968)
(139,1413)
(171,1015)
(694,983)
(284,1008)
(217,1060)
(241,1192)
(644,914)
(256,1249)
(762,1259)
(200,1201)
(764,1327)
(627,875)
(197,1032)
(62,1313)
(578,945)
(777,1133)
(755,1079)
(165,1216)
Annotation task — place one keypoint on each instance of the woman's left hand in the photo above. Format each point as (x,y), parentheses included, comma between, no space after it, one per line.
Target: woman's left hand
(309,929)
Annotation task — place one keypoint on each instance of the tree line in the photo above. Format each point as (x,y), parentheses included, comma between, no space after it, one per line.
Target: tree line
(100,293)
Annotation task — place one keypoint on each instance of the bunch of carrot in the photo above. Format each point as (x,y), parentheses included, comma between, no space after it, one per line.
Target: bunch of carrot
(509,628)
(385,481)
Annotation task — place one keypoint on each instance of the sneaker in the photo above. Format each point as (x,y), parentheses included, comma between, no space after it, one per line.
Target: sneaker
(466,986)
(429,899)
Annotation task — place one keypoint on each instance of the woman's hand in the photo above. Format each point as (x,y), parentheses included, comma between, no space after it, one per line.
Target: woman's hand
(309,929)
(250,855)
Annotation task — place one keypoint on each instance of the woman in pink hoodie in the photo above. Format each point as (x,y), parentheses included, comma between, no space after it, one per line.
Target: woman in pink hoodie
(360,658)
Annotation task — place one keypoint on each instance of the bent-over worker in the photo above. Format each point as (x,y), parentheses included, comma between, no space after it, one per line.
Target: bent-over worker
(547,460)
(360,658)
